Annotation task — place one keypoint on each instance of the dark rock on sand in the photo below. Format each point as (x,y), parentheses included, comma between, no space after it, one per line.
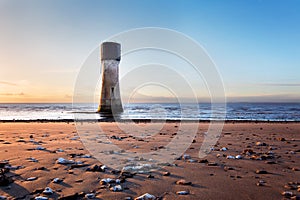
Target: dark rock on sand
(72,196)
(95,168)
(166,174)
(261,171)
(183,182)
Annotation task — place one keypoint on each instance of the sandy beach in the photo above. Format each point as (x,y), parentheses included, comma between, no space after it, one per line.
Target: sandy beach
(250,161)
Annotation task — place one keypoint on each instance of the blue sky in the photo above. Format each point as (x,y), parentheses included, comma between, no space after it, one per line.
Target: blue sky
(254,43)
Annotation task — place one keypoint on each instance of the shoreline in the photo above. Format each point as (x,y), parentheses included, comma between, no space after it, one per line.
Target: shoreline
(145,121)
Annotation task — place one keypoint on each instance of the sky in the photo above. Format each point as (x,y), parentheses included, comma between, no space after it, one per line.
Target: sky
(255,45)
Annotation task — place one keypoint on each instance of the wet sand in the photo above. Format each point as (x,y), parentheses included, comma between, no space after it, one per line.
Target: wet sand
(269,163)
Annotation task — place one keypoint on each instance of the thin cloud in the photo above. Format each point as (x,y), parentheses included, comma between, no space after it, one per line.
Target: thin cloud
(282,84)
(12,94)
(7,83)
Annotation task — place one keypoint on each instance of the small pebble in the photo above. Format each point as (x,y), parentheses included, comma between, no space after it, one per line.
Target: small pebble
(186,157)
(281,139)
(48,191)
(223,149)
(116,188)
(105,181)
(212,164)
(260,144)
(287,194)
(183,182)
(150,176)
(230,157)
(261,172)
(41,198)
(182,193)
(166,174)
(64,161)
(90,196)
(261,183)
(40,148)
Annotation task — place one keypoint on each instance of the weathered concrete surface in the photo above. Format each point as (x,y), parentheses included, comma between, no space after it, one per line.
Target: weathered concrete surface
(110,101)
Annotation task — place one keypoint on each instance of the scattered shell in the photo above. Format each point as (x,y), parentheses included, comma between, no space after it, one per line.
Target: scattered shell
(226,168)
(41,198)
(230,157)
(287,194)
(146,196)
(40,148)
(103,167)
(186,157)
(118,181)
(105,181)
(64,161)
(75,138)
(90,196)
(57,180)
(150,176)
(2,197)
(183,182)
(86,156)
(31,178)
(261,183)
(48,191)
(223,149)
(116,188)
(182,193)
(238,157)
(166,174)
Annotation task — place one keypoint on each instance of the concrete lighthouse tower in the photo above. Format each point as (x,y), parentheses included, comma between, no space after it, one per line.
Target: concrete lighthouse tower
(110,101)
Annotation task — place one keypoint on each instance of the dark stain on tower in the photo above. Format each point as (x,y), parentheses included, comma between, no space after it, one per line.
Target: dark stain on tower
(110,100)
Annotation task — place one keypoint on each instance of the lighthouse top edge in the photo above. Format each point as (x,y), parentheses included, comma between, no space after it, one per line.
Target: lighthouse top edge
(110,51)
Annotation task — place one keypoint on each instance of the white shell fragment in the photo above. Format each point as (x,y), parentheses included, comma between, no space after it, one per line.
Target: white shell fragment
(31,178)
(146,196)
(223,149)
(107,180)
(90,196)
(41,198)
(182,192)
(57,180)
(230,157)
(64,161)
(40,148)
(116,188)
(186,157)
(48,191)
(238,157)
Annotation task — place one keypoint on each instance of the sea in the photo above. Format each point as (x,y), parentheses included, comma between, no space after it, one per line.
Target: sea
(166,111)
